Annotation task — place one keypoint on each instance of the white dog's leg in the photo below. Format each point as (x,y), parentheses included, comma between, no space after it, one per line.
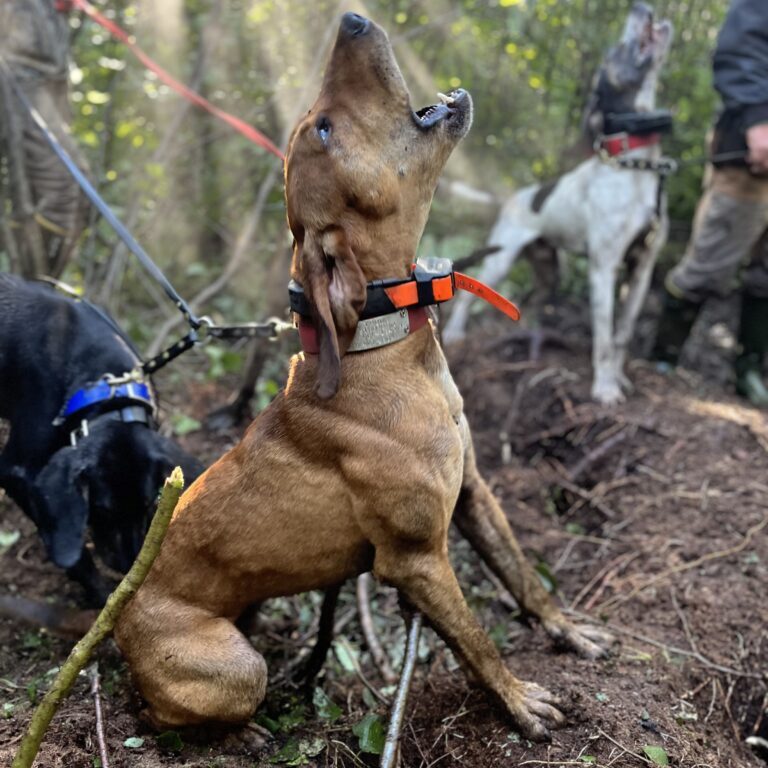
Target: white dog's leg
(605,255)
(635,298)
(495,269)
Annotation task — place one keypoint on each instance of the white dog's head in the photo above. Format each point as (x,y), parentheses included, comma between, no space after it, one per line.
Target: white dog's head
(627,78)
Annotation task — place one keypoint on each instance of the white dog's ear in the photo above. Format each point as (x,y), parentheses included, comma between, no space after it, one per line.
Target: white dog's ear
(336,288)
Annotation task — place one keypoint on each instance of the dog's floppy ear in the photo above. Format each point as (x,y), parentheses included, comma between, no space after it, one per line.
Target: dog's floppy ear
(336,288)
(61,511)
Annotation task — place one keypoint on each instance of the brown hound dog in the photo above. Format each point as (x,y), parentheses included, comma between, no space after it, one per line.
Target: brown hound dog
(363,460)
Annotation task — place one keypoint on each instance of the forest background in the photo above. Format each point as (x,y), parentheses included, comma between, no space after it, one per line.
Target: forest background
(208,205)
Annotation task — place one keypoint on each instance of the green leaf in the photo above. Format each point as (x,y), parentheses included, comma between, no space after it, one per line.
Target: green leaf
(371,734)
(324,707)
(7,711)
(575,528)
(183,424)
(657,755)
(295,717)
(346,654)
(267,722)
(169,740)
(588,759)
(298,752)
(546,576)
(133,742)
(8,538)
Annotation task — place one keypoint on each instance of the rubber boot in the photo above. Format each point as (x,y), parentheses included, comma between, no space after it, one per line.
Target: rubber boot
(753,338)
(677,319)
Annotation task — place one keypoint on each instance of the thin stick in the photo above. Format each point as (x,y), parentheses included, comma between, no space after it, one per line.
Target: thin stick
(94,675)
(664,647)
(391,745)
(379,655)
(103,625)
(616,601)
(621,746)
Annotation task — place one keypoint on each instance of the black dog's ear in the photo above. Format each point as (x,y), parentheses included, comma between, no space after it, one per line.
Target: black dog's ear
(61,510)
(164,456)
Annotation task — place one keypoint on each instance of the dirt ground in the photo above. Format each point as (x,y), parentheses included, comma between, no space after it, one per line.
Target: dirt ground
(650,517)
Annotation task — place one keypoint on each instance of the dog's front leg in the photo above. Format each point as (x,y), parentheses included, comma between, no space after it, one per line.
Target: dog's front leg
(483,523)
(603,267)
(428,583)
(647,254)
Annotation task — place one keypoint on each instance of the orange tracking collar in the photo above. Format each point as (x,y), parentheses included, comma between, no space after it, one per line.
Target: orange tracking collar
(394,307)
(432,281)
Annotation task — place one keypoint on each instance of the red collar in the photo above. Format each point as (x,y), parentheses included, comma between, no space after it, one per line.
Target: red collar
(417,318)
(619,143)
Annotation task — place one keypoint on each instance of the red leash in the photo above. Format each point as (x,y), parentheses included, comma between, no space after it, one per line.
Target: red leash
(239,125)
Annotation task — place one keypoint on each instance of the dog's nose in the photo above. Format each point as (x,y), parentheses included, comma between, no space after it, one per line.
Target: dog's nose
(354,24)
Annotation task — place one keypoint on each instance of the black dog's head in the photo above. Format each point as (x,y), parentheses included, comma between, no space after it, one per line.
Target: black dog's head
(626,81)
(109,482)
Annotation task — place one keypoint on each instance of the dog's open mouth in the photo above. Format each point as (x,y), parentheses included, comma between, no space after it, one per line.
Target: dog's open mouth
(452,105)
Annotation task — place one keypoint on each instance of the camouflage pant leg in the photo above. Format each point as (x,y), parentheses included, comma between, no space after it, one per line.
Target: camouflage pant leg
(755,278)
(730,219)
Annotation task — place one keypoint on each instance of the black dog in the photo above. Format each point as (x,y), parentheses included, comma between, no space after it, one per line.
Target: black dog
(83,448)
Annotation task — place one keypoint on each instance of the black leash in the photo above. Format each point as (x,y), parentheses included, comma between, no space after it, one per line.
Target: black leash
(200,327)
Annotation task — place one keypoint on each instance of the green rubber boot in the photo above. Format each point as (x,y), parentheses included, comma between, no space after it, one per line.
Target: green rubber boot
(677,319)
(753,337)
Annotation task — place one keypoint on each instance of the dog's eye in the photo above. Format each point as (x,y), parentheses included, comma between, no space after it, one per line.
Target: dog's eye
(323,128)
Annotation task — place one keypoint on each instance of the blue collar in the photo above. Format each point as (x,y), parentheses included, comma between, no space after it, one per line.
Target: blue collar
(103,392)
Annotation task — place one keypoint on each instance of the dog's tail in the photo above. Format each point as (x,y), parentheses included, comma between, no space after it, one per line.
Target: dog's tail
(70,623)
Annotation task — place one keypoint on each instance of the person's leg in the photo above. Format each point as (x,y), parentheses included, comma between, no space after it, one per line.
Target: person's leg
(730,218)
(753,329)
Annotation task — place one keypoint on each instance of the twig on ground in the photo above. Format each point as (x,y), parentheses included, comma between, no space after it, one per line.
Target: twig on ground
(503,595)
(621,746)
(359,672)
(727,707)
(389,757)
(379,655)
(417,744)
(711,708)
(684,621)
(103,625)
(763,711)
(603,574)
(597,453)
(93,673)
(617,600)
(589,498)
(664,647)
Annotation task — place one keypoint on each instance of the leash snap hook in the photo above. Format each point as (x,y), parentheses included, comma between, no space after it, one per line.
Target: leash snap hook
(279,327)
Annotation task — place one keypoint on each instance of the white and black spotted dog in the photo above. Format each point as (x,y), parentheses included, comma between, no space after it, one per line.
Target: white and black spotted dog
(601,209)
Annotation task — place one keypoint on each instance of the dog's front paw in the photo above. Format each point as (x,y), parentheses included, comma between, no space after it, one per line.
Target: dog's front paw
(607,392)
(587,640)
(535,711)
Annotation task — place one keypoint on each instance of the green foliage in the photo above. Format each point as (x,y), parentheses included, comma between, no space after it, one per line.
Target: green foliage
(371,733)
(186,182)
(324,707)
(657,755)
(170,741)
(298,751)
